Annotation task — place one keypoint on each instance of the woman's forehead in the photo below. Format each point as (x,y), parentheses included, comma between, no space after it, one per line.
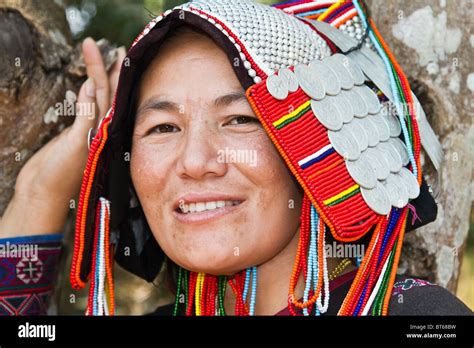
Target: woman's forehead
(190,62)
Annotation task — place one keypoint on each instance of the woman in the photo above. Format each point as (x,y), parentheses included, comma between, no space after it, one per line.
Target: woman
(219,162)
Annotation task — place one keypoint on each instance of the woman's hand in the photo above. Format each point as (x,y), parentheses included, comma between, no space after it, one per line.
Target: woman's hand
(51,179)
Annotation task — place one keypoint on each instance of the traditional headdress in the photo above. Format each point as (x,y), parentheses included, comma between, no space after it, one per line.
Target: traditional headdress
(339,109)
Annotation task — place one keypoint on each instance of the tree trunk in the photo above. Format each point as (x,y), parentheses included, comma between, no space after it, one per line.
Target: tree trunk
(433,43)
(39,70)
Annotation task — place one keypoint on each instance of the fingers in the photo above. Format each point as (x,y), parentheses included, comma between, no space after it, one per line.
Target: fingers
(115,72)
(96,70)
(85,109)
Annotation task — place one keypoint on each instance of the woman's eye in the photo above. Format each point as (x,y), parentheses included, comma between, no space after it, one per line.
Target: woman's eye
(164,128)
(244,120)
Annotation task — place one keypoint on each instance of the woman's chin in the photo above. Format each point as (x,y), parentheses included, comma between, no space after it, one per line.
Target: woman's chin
(214,264)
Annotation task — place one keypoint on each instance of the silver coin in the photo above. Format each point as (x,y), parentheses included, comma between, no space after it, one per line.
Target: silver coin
(344,107)
(362,173)
(392,121)
(411,183)
(326,112)
(327,76)
(277,87)
(309,82)
(290,78)
(358,104)
(377,199)
(393,191)
(352,67)
(401,148)
(391,154)
(344,144)
(382,126)
(378,163)
(370,98)
(342,73)
(355,70)
(371,129)
(399,198)
(359,132)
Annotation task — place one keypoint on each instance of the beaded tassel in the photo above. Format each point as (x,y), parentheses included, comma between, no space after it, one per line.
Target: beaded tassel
(312,262)
(101,299)
(204,294)
(95,151)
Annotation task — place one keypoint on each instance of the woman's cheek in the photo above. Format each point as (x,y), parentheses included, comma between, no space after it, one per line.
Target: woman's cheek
(148,169)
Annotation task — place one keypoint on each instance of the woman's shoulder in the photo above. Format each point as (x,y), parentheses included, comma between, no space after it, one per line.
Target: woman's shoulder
(413,296)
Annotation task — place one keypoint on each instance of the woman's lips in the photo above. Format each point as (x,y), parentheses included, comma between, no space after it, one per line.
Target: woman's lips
(206,215)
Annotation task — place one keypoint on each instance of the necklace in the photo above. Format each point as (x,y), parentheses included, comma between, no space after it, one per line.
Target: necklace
(340,268)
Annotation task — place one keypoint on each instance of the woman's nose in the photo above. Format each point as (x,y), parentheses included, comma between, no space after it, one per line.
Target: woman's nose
(198,157)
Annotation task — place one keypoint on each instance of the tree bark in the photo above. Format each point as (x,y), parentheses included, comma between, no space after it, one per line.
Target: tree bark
(39,70)
(433,42)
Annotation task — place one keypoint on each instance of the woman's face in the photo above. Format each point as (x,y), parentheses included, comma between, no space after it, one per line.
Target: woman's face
(216,193)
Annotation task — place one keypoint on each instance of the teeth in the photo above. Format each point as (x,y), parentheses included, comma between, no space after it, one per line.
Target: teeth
(202,206)
(211,205)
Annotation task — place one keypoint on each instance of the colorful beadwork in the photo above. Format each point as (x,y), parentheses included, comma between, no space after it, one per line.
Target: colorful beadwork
(208,293)
(101,298)
(340,268)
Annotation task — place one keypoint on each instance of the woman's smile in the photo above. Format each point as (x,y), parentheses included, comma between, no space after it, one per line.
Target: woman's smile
(205,206)
(204,212)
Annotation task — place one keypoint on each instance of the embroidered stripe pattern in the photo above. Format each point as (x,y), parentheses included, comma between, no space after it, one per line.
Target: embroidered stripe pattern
(340,197)
(316,157)
(293,116)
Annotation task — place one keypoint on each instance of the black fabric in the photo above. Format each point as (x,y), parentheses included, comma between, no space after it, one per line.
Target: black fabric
(427,300)
(137,250)
(425,207)
(422,300)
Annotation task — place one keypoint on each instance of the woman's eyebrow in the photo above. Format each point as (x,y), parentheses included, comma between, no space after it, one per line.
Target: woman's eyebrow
(227,99)
(157,104)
